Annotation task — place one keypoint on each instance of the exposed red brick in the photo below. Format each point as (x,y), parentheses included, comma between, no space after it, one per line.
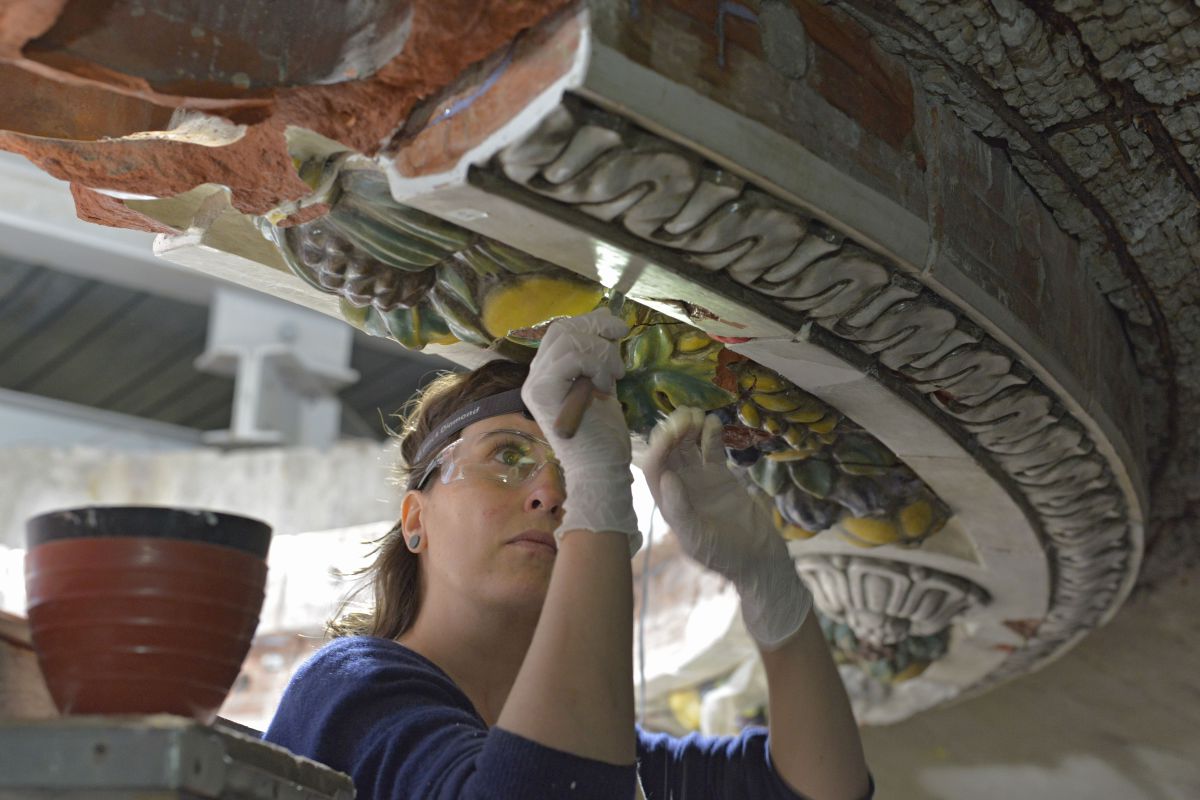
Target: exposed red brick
(94,72)
(738,32)
(740,36)
(855,76)
(37,103)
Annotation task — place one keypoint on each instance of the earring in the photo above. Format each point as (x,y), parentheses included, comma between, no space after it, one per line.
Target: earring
(414,542)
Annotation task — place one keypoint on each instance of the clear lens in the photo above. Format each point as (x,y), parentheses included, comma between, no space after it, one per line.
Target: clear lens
(504,456)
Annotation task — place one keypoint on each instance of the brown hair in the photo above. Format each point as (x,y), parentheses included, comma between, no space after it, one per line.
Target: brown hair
(394,576)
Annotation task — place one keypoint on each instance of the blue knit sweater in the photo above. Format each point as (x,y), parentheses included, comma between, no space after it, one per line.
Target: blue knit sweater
(401,728)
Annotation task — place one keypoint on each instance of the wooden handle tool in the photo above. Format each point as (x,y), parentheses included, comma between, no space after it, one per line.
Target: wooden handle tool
(579,396)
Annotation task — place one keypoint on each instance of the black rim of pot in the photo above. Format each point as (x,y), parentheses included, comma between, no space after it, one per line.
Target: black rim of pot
(155,522)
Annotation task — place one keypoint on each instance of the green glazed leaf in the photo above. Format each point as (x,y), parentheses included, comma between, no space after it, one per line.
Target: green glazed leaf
(770,475)
(658,380)
(858,454)
(412,327)
(814,475)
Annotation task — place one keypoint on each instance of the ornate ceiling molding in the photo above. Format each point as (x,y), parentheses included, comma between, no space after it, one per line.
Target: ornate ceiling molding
(887,620)
(716,225)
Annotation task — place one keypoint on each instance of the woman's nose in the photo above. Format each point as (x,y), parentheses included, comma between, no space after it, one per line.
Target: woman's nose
(546,492)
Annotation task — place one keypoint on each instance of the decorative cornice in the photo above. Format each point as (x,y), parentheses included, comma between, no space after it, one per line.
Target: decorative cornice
(607,169)
(419,279)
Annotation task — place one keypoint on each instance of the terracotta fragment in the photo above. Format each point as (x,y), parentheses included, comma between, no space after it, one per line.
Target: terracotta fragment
(101,209)
(446,38)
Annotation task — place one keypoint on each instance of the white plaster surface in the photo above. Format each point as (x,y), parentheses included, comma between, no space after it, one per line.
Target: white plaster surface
(292,489)
(1117,718)
(310,573)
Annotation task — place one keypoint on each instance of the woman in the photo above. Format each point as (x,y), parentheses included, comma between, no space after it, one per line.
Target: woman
(498,660)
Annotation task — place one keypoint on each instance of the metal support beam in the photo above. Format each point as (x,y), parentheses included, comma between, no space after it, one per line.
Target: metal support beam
(287,363)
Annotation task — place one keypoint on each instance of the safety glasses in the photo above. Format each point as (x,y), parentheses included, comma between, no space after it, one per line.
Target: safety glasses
(504,456)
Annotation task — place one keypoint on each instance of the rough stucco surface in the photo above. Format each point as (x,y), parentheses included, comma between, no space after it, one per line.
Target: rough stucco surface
(1096,106)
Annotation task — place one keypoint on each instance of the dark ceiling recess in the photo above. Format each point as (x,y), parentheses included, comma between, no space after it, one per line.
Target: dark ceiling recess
(112,348)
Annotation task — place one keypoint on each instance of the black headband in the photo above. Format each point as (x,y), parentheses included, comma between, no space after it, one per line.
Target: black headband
(508,402)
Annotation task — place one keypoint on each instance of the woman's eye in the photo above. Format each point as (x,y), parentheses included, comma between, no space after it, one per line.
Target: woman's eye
(509,455)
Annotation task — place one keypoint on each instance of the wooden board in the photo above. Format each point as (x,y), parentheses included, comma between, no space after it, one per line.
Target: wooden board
(23,693)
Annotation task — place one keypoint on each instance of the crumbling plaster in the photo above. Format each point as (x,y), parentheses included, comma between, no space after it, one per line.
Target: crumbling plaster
(76,125)
(1095,104)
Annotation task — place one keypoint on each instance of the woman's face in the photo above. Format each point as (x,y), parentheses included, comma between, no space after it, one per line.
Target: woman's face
(484,538)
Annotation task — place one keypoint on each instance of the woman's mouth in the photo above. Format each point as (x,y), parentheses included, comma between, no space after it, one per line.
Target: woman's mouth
(537,541)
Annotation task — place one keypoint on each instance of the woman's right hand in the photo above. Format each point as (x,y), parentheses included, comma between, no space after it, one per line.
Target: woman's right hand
(596,459)
(574,691)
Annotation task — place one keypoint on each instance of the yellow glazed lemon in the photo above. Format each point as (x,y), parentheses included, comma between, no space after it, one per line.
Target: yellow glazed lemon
(692,341)
(868,532)
(761,382)
(525,303)
(916,518)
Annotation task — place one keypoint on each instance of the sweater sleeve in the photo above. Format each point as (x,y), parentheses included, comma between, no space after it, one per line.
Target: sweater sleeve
(712,767)
(401,728)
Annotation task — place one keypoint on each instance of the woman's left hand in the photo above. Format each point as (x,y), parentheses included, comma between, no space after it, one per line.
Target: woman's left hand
(722,526)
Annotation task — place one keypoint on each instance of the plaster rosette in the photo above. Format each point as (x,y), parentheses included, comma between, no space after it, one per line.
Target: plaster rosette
(959,473)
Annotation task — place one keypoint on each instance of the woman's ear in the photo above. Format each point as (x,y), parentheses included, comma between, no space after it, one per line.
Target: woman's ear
(412,527)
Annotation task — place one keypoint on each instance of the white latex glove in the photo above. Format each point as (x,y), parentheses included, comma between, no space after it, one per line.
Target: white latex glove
(722,526)
(596,459)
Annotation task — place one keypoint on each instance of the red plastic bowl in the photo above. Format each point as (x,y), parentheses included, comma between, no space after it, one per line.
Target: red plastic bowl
(112,567)
(143,610)
(148,635)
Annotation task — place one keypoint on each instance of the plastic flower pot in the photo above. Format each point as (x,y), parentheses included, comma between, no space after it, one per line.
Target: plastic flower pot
(143,610)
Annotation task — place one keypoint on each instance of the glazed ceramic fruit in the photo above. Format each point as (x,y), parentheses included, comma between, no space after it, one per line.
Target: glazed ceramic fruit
(143,610)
